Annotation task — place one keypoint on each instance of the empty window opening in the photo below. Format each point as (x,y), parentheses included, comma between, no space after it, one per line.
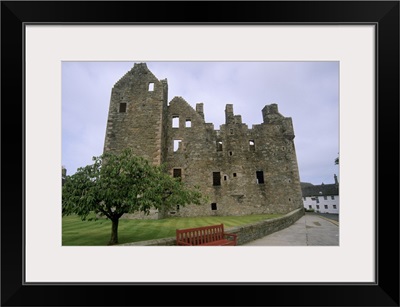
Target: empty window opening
(177,207)
(230,153)
(214,206)
(177,173)
(234,174)
(326,206)
(188,123)
(225,178)
(334,206)
(231,131)
(290,199)
(216,178)
(219,145)
(122,107)
(175,121)
(151,87)
(309,206)
(252,145)
(260,177)
(177,145)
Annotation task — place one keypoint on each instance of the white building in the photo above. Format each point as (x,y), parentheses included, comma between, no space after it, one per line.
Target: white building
(323,198)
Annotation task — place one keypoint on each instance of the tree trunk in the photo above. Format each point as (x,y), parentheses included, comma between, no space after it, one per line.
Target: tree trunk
(114,232)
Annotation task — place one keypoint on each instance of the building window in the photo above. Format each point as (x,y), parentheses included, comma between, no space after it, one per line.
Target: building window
(317,206)
(216,178)
(219,145)
(325,197)
(252,145)
(122,107)
(304,198)
(175,121)
(332,197)
(234,174)
(225,178)
(231,131)
(177,173)
(214,206)
(230,153)
(188,123)
(151,87)
(317,199)
(260,177)
(334,206)
(177,145)
(326,206)
(177,207)
(309,206)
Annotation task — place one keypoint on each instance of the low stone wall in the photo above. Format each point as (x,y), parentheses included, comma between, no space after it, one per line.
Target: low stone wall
(245,233)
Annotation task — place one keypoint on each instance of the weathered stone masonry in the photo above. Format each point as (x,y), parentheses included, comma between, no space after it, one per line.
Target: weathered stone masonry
(242,170)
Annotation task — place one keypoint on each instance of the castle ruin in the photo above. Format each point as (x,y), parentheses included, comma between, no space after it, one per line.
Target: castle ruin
(243,171)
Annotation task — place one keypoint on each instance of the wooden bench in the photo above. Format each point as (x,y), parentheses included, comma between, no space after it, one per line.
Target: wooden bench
(205,236)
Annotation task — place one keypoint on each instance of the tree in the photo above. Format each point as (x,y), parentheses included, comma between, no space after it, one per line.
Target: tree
(122,183)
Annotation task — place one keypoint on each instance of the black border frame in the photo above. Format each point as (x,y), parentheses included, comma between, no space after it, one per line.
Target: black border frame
(383,14)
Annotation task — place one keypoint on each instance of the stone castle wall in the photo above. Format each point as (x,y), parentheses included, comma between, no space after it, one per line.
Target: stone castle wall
(243,171)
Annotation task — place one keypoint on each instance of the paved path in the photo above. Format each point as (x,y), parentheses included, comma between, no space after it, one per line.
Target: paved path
(309,230)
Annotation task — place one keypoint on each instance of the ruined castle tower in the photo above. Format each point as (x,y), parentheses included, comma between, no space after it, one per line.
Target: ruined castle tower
(242,170)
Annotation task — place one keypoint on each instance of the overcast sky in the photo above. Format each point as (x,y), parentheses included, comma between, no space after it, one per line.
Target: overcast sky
(308,92)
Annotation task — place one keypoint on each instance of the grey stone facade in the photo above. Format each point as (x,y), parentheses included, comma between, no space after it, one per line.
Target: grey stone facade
(243,170)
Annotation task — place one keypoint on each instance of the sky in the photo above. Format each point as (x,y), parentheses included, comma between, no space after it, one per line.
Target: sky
(308,92)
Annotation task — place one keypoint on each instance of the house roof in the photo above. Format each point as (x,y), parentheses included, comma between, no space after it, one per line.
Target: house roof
(320,190)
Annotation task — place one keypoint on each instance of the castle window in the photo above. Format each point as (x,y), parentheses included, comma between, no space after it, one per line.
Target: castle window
(177,145)
(231,131)
(188,123)
(151,87)
(260,177)
(175,121)
(219,145)
(122,107)
(177,207)
(177,173)
(225,178)
(252,146)
(234,175)
(230,153)
(216,178)
(214,206)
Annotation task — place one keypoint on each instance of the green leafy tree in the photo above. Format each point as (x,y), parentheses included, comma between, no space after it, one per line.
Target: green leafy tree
(122,183)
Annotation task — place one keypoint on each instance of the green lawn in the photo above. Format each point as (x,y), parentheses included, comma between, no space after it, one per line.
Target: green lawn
(77,233)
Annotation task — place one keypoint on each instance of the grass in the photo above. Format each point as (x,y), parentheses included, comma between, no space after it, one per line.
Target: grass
(76,232)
